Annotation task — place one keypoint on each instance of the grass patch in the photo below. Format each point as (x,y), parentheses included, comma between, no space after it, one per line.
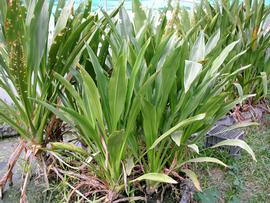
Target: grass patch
(246,180)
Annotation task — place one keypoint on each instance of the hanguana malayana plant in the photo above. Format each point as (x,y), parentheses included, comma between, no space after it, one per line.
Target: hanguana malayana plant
(35,42)
(156,95)
(186,97)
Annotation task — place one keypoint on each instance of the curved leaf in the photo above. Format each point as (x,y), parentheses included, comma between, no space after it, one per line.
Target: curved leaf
(193,177)
(203,159)
(176,127)
(239,89)
(177,136)
(194,147)
(237,126)
(239,143)
(158,177)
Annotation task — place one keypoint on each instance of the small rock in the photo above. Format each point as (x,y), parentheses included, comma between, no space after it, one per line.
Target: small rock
(7,131)
(187,191)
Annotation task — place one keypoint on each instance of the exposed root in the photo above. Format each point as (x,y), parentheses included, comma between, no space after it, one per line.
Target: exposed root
(29,154)
(90,185)
(62,178)
(23,198)
(164,188)
(87,186)
(11,163)
(45,175)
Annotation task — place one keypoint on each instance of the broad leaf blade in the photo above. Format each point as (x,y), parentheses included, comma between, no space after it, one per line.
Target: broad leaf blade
(193,177)
(118,89)
(221,58)
(203,159)
(176,127)
(192,70)
(194,147)
(198,50)
(158,177)
(236,142)
(212,42)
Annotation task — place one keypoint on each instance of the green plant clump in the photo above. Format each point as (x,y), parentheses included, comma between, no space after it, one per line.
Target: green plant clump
(140,93)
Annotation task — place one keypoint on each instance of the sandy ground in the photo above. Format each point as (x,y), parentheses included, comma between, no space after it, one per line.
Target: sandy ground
(7,146)
(12,193)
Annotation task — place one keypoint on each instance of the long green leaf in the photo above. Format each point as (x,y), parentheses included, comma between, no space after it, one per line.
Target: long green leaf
(203,159)
(236,142)
(93,97)
(118,89)
(176,127)
(221,58)
(63,18)
(192,70)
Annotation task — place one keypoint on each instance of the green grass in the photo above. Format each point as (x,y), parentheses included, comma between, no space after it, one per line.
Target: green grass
(246,180)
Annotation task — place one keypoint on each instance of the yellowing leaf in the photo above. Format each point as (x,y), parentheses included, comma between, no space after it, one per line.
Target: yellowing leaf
(158,177)
(193,177)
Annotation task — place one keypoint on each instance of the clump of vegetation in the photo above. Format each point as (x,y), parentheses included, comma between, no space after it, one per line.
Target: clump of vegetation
(140,93)
(246,21)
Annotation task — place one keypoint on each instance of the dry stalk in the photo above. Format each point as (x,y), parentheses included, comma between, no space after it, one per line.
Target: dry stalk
(11,163)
